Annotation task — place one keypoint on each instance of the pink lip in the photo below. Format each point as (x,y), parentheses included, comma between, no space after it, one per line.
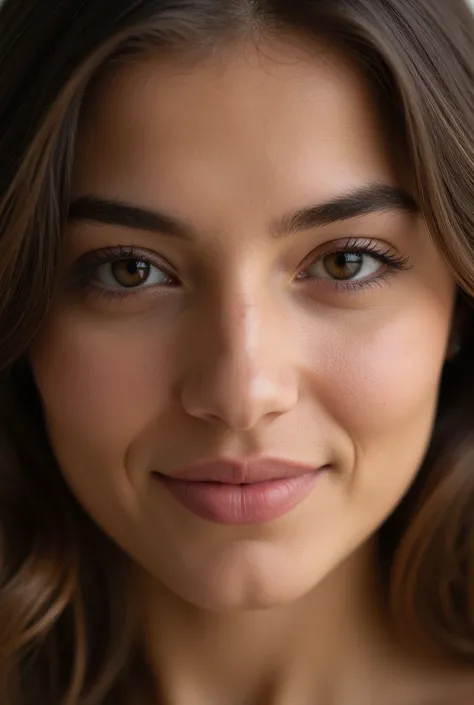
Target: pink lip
(236,492)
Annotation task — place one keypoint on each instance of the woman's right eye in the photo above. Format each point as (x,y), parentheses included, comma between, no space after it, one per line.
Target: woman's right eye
(131,273)
(121,270)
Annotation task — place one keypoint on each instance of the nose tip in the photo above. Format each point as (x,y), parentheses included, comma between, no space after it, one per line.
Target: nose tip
(239,402)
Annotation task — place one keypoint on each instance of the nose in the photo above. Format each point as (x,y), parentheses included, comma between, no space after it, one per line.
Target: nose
(241,370)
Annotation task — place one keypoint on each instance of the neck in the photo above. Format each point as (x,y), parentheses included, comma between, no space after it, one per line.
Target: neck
(312,650)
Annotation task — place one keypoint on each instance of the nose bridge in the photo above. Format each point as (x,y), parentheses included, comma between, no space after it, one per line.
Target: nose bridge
(243,369)
(244,338)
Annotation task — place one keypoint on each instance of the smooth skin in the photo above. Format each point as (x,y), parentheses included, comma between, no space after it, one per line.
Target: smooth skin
(237,338)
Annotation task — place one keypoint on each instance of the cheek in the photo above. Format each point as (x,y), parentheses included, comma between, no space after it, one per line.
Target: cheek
(100,386)
(380,385)
(379,377)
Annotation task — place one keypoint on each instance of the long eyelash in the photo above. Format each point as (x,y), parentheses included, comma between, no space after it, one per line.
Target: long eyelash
(354,286)
(87,265)
(387,256)
(107,255)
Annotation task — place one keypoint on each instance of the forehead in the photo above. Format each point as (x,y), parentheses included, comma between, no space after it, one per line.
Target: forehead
(248,119)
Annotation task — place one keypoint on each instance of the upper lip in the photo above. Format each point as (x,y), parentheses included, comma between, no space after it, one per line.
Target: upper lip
(240,472)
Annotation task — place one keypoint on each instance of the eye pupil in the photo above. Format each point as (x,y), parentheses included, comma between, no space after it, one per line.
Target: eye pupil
(130,272)
(343,265)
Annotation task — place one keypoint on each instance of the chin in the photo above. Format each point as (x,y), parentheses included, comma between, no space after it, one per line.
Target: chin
(251,578)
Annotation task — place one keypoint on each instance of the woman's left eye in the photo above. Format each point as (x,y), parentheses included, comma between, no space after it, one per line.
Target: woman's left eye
(345,266)
(357,263)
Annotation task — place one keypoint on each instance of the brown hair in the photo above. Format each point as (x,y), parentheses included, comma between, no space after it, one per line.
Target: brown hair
(67,633)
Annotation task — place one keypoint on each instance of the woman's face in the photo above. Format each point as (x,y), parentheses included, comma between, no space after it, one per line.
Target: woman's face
(280,298)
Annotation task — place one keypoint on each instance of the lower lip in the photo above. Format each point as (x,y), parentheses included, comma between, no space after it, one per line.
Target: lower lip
(240,504)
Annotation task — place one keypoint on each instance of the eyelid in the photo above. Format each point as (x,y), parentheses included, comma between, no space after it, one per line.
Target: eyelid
(369,246)
(354,244)
(88,263)
(377,249)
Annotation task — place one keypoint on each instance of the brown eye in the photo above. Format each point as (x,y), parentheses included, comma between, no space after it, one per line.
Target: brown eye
(343,265)
(130,272)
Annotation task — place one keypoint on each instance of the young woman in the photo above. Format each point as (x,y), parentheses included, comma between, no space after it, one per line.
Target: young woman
(237,393)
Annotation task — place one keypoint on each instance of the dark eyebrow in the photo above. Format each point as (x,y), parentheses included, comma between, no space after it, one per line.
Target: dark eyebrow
(100,210)
(371,198)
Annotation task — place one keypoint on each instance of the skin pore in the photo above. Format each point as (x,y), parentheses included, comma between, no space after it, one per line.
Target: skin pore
(235,338)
